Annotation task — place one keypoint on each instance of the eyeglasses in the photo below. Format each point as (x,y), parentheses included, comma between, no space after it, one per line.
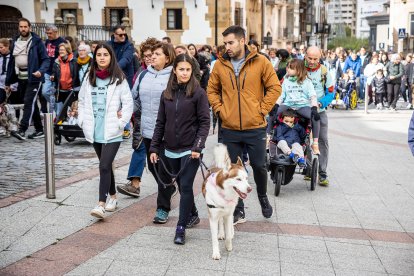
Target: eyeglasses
(121,35)
(148,56)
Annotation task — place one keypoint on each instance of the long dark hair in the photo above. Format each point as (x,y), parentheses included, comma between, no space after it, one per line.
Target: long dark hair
(113,68)
(172,85)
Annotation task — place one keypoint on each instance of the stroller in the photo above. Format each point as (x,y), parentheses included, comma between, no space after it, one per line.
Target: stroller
(62,127)
(346,97)
(282,168)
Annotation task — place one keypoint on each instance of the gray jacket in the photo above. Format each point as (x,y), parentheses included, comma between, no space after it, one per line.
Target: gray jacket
(396,70)
(150,90)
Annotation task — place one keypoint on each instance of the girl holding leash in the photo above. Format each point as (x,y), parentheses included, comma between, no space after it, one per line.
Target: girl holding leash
(105,106)
(183,124)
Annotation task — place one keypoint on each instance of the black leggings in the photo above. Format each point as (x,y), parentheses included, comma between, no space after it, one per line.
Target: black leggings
(164,194)
(185,181)
(393,92)
(106,154)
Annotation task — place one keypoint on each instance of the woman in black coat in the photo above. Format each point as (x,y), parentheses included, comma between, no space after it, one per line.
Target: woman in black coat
(183,124)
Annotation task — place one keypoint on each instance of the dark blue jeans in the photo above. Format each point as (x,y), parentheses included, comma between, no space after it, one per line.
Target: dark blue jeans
(136,167)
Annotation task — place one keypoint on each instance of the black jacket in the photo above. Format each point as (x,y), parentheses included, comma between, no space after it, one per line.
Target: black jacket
(182,123)
(38,60)
(409,71)
(74,72)
(380,85)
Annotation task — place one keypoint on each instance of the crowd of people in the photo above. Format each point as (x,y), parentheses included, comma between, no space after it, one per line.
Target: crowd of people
(165,95)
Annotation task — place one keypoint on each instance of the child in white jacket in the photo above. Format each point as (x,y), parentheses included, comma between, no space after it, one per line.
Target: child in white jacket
(105,106)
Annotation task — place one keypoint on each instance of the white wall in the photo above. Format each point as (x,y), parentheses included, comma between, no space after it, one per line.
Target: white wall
(382,36)
(199,29)
(366,8)
(93,17)
(26,7)
(146,20)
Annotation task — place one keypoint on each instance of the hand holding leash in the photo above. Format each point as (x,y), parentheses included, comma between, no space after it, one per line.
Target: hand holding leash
(195,155)
(154,158)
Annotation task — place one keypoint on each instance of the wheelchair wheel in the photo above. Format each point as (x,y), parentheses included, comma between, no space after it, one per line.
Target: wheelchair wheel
(353,98)
(58,139)
(69,139)
(278,182)
(314,173)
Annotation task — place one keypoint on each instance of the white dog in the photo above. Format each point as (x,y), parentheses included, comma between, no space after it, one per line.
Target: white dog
(222,188)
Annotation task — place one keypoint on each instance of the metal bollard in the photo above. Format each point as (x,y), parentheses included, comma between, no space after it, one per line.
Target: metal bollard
(49,156)
(366,99)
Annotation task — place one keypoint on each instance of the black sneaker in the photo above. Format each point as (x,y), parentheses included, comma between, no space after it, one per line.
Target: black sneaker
(18,134)
(239,216)
(194,220)
(36,135)
(267,209)
(179,235)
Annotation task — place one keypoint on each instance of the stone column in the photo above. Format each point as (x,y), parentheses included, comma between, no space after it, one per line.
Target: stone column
(58,20)
(127,25)
(72,30)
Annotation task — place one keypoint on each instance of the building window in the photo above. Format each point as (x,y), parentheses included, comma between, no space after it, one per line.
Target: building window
(174,19)
(238,16)
(64,12)
(412,24)
(113,16)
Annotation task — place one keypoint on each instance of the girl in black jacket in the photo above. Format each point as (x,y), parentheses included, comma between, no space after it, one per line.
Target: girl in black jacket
(183,124)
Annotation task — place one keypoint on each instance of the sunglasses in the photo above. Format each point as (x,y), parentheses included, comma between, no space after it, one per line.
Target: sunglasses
(121,35)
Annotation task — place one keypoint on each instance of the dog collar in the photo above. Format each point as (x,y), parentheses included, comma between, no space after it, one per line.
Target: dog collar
(212,181)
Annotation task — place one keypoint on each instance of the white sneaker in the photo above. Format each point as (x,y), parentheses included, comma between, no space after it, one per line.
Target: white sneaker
(98,212)
(409,106)
(111,205)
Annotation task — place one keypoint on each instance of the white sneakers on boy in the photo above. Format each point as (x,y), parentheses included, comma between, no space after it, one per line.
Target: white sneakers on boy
(98,212)
(111,205)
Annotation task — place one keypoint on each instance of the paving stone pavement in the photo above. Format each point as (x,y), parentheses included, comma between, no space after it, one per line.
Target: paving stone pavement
(22,165)
(371,190)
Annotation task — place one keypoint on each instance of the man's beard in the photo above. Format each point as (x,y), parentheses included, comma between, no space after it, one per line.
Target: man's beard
(26,34)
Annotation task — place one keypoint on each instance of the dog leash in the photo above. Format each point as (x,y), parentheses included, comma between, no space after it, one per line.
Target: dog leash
(175,176)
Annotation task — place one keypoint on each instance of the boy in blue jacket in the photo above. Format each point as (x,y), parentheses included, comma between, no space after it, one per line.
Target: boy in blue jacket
(289,137)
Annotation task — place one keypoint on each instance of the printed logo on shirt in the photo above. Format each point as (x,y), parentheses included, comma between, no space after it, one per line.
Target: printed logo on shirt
(51,50)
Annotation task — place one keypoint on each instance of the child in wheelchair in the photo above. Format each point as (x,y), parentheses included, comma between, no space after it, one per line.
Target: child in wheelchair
(289,136)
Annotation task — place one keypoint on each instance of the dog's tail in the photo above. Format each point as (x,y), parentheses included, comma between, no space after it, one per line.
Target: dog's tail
(221,157)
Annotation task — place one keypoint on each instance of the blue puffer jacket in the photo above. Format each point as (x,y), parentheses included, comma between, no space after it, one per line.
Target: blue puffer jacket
(38,61)
(411,135)
(150,90)
(125,56)
(355,65)
(295,134)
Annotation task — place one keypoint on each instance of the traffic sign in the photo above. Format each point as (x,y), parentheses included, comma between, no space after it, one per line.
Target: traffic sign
(401,33)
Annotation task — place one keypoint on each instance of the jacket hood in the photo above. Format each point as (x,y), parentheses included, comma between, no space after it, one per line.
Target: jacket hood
(165,71)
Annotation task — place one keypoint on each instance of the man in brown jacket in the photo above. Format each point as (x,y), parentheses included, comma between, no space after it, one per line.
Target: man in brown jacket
(242,89)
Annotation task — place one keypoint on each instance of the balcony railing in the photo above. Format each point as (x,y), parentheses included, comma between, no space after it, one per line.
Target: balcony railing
(93,32)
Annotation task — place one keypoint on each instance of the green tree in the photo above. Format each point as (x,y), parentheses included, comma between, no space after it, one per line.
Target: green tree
(348,43)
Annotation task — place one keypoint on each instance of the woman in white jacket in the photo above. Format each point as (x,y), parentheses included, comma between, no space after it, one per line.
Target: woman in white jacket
(105,106)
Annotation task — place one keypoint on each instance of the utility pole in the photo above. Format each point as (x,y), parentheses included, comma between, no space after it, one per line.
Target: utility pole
(263,21)
(216,23)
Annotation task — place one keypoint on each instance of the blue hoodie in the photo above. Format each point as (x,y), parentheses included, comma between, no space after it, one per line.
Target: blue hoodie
(295,134)
(411,135)
(355,65)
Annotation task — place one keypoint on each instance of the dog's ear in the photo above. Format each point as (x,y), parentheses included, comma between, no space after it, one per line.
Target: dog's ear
(239,161)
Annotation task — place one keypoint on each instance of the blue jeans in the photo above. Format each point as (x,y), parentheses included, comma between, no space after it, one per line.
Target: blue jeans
(363,81)
(48,93)
(136,167)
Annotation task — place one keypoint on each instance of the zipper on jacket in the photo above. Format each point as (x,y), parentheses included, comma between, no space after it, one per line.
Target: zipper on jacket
(231,79)
(244,78)
(176,114)
(238,95)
